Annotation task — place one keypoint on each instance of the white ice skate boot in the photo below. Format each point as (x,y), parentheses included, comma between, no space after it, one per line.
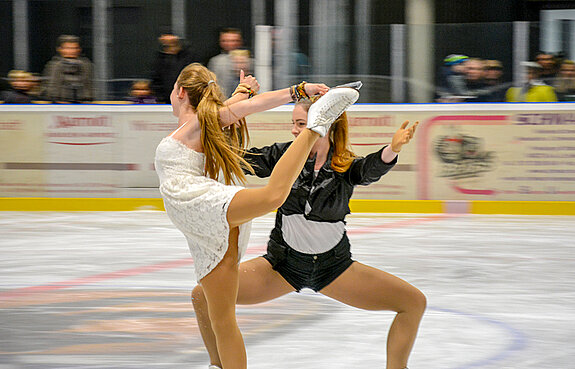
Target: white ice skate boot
(329,107)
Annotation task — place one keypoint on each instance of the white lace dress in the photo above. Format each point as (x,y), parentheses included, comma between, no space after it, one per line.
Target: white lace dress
(196,204)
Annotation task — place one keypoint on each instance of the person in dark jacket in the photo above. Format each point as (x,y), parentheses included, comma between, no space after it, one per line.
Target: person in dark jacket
(68,76)
(169,62)
(309,248)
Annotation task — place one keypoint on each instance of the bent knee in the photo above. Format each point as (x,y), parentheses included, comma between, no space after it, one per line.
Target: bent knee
(419,301)
(414,302)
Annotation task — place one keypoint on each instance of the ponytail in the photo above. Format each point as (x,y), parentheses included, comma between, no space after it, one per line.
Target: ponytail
(224,148)
(343,156)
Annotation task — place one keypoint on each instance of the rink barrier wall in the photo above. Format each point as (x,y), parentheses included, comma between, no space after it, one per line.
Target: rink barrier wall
(356,206)
(465,158)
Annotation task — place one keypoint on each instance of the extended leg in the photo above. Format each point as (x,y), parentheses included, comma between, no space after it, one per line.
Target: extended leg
(258,282)
(251,203)
(220,287)
(369,288)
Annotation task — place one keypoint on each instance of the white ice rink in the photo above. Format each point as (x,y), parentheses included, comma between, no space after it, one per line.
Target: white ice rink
(111,290)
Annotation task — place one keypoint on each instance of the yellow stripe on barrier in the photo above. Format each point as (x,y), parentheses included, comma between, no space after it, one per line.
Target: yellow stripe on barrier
(523,207)
(79,204)
(356,206)
(396,206)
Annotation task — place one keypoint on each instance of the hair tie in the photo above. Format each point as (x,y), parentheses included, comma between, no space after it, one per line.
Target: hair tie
(211,81)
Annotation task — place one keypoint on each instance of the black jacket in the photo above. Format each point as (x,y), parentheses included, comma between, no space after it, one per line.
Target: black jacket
(165,71)
(12,96)
(330,192)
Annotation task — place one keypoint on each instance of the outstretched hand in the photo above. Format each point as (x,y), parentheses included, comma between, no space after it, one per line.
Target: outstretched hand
(403,136)
(250,81)
(316,89)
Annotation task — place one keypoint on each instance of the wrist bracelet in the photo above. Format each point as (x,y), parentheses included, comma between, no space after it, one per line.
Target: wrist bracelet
(301,91)
(292,93)
(297,92)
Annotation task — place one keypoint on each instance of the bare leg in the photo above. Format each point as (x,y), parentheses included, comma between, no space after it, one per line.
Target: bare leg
(205,325)
(251,203)
(258,282)
(220,287)
(383,292)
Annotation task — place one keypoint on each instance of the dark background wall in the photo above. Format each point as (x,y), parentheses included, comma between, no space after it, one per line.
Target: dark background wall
(134,30)
(136,25)
(6,37)
(49,19)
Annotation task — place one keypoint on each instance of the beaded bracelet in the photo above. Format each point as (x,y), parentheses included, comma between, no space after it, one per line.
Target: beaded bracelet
(297,92)
(301,90)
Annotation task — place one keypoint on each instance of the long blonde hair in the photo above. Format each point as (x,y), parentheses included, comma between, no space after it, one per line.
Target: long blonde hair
(224,148)
(342,156)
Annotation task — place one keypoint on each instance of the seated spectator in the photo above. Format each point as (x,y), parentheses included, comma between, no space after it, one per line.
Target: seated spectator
(548,65)
(475,87)
(68,77)
(565,83)
(36,87)
(534,89)
(21,83)
(452,78)
(468,85)
(141,93)
(492,79)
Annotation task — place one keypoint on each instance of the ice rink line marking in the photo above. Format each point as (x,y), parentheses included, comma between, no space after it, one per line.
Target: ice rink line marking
(187,261)
(518,343)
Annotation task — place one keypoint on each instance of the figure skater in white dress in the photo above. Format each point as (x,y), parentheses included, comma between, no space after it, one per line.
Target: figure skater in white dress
(199,165)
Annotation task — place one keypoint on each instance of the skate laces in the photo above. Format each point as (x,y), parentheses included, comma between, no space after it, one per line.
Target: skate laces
(331,104)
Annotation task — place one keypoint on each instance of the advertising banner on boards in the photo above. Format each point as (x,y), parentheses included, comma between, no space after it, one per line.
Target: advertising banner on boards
(460,151)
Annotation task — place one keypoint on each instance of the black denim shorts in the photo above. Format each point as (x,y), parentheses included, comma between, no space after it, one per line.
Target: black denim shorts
(313,271)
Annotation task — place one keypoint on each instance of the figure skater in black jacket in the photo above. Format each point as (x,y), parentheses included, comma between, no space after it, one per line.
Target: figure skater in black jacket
(309,248)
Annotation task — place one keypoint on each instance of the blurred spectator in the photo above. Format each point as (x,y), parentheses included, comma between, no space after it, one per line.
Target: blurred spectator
(565,82)
(222,64)
(548,65)
(241,60)
(492,79)
(170,60)
(141,93)
(452,81)
(36,87)
(474,79)
(68,76)
(534,90)
(21,83)
(467,83)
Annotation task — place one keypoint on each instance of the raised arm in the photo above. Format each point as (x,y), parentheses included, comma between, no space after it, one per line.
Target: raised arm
(400,138)
(233,112)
